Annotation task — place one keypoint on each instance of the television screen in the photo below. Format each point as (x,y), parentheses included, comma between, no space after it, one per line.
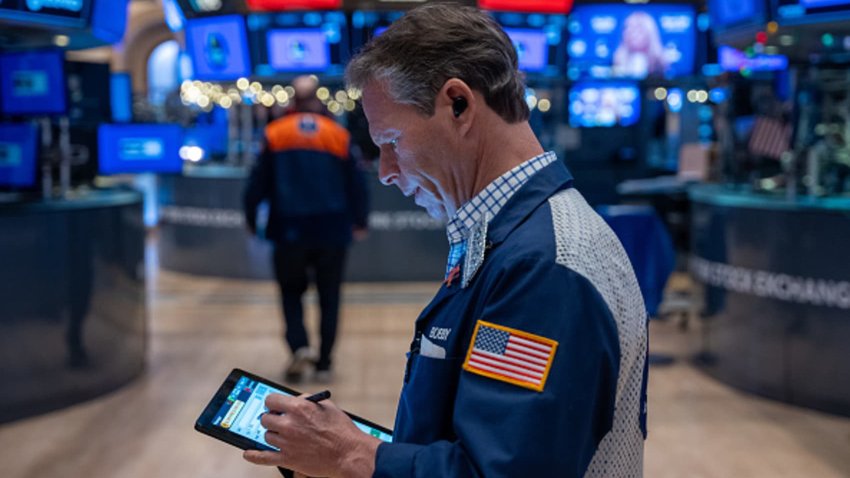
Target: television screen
(18,146)
(139,148)
(539,41)
(298,50)
(218,47)
(60,13)
(295,42)
(598,104)
(527,6)
(121,97)
(809,11)
(273,5)
(532,48)
(33,83)
(629,41)
(368,24)
(731,14)
(206,8)
(731,59)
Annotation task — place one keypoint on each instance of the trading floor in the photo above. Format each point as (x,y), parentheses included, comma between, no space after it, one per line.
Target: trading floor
(201,327)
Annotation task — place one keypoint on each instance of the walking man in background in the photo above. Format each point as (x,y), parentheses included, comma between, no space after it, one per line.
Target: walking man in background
(317,203)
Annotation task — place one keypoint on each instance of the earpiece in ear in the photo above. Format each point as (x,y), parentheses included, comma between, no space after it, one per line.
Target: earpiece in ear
(459,106)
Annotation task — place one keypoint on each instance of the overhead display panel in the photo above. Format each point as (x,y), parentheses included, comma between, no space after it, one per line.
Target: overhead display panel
(280,5)
(33,83)
(604,104)
(18,151)
(631,41)
(790,12)
(299,42)
(218,47)
(139,148)
(540,41)
(528,6)
(70,13)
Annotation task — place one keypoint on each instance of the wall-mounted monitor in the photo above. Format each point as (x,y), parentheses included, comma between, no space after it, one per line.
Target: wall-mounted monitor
(18,153)
(218,47)
(790,12)
(299,42)
(631,41)
(527,6)
(368,24)
(604,104)
(33,83)
(298,49)
(278,5)
(139,148)
(539,41)
(59,13)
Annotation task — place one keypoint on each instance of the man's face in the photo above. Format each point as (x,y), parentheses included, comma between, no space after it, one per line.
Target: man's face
(413,151)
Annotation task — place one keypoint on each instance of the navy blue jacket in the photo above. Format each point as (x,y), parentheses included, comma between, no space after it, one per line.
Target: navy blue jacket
(315,190)
(552,268)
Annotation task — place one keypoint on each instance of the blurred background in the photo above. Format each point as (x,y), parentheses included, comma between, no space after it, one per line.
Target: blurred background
(711,135)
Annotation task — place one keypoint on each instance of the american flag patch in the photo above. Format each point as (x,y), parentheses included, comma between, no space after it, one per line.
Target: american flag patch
(510,355)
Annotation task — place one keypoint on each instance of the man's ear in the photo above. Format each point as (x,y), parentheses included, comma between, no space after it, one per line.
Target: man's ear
(456,101)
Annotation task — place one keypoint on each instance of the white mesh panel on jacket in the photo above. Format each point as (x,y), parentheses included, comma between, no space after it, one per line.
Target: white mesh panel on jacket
(586,245)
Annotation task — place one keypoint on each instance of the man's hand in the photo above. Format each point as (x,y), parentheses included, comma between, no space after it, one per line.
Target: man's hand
(316,439)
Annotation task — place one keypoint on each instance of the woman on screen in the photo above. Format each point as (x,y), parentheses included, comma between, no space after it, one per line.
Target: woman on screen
(640,53)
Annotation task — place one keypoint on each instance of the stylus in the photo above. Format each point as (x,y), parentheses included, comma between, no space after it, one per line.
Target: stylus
(318,397)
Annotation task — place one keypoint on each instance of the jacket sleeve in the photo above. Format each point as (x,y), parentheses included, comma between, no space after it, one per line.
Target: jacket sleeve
(259,187)
(504,430)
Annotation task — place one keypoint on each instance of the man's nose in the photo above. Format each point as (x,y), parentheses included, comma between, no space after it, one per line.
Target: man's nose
(387,170)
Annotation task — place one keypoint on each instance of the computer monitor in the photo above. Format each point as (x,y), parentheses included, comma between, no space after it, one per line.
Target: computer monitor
(299,42)
(33,83)
(218,47)
(298,50)
(139,148)
(368,24)
(604,104)
(631,41)
(18,153)
(540,41)
(50,13)
(121,97)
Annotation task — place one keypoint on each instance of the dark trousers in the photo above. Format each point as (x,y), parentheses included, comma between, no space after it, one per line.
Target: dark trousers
(294,264)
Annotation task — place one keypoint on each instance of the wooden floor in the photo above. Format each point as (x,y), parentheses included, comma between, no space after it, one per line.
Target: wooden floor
(201,328)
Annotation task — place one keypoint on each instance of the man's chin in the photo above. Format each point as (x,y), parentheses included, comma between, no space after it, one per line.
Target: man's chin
(437,212)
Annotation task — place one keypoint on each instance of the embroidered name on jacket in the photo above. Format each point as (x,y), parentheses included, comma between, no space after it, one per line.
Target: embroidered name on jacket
(510,355)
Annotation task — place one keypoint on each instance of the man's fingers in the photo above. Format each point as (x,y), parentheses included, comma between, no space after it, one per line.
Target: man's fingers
(267,458)
(277,402)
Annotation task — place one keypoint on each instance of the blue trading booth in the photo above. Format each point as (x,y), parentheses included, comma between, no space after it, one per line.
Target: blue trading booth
(73,318)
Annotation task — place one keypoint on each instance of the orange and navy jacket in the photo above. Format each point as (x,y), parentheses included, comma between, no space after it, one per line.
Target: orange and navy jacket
(315,190)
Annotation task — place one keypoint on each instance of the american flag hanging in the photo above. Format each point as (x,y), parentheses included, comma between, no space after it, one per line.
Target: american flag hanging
(770,138)
(510,355)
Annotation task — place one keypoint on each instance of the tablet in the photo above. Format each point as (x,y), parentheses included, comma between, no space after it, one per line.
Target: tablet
(233,414)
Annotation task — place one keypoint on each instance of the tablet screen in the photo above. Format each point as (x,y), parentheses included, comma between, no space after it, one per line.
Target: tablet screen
(241,411)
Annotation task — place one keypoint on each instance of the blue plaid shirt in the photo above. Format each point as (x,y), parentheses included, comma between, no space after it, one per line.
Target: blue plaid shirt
(488,203)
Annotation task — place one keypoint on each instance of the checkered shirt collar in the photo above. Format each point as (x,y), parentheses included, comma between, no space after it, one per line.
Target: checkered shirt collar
(491,199)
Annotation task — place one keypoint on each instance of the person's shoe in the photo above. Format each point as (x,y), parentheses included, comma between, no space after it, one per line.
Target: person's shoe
(323,376)
(301,359)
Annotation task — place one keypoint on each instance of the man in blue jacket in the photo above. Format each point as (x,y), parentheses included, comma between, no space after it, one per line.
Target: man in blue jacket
(317,202)
(530,361)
